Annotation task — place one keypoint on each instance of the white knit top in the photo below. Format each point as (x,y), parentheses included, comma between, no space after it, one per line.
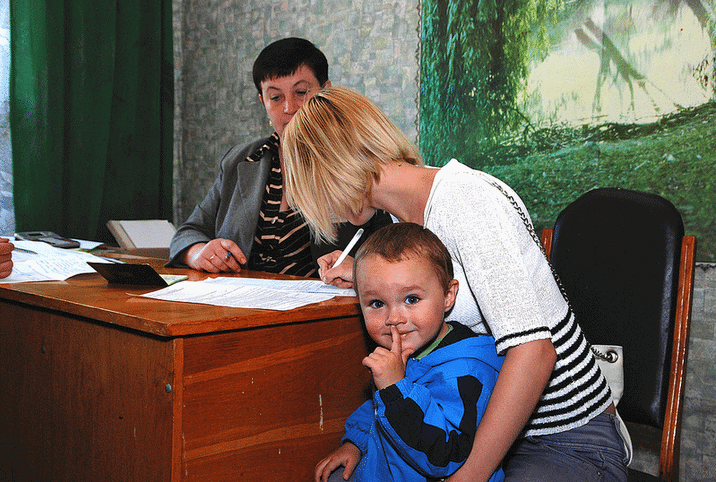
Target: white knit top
(507,289)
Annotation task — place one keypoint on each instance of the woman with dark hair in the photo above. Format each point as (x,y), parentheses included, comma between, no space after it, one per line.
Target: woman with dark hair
(245,218)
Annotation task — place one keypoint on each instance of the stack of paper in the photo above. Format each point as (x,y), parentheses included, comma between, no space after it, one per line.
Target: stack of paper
(37,261)
(264,294)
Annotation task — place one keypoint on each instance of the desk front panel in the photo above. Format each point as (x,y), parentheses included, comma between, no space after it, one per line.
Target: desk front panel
(82,401)
(268,404)
(84,398)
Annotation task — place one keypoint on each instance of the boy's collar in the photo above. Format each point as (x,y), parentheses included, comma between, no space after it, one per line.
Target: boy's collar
(429,347)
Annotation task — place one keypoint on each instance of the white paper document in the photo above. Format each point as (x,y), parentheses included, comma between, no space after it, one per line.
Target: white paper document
(305,286)
(144,233)
(211,292)
(37,261)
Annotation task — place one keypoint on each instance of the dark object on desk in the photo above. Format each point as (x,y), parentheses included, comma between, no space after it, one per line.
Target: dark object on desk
(48,237)
(158,253)
(129,274)
(628,271)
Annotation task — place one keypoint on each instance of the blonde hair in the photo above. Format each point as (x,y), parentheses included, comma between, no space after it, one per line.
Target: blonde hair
(333,150)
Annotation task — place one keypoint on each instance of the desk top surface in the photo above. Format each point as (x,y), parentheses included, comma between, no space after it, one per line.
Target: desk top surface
(90,296)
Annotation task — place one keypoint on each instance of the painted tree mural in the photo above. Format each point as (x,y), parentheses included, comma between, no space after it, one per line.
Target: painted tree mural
(558,97)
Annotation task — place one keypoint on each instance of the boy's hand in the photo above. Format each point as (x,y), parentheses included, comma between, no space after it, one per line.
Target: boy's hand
(347,456)
(388,366)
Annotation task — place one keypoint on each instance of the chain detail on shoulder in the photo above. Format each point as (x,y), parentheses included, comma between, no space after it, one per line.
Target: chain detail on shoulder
(533,234)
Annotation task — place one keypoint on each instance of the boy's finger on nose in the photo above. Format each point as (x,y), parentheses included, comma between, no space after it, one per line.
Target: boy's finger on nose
(397,346)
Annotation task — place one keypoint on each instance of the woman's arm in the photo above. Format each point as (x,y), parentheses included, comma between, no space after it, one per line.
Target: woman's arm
(524,375)
(230,208)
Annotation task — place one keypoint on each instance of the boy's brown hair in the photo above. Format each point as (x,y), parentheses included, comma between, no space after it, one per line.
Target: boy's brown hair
(400,241)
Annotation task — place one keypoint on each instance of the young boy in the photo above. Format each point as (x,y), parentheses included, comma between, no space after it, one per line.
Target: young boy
(433,378)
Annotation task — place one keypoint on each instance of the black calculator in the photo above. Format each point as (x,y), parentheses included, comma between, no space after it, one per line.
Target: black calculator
(48,237)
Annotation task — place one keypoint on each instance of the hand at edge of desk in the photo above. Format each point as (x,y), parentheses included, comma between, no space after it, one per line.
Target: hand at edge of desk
(6,248)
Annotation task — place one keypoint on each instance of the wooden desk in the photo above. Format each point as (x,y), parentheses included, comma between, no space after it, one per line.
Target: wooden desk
(96,384)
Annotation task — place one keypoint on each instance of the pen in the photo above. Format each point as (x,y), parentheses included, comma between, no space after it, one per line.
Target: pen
(345,252)
(23,250)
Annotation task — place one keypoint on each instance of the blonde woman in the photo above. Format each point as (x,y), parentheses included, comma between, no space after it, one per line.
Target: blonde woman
(551,407)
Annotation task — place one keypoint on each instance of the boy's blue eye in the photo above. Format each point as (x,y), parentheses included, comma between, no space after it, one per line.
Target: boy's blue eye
(376,304)
(412,299)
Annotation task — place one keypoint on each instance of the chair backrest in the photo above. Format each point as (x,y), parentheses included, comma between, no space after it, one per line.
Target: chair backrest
(617,253)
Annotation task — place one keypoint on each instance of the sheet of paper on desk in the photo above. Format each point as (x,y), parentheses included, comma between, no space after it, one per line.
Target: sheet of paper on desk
(305,286)
(46,263)
(212,293)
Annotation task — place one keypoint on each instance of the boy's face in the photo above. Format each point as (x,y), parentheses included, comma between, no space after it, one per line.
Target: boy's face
(407,294)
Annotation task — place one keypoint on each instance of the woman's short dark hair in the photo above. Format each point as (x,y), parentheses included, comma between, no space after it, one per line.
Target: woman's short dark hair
(284,57)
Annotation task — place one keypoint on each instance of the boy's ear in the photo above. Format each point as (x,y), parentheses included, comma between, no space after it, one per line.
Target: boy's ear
(451,294)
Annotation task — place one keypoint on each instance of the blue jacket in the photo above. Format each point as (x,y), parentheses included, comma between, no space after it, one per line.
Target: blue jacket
(422,427)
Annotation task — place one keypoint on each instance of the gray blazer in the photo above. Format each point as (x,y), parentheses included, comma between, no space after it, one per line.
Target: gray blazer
(231,208)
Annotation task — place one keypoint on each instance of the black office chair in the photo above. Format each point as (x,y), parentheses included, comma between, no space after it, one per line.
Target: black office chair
(627,269)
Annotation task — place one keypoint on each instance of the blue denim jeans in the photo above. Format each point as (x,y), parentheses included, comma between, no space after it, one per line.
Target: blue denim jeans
(592,453)
(337,476)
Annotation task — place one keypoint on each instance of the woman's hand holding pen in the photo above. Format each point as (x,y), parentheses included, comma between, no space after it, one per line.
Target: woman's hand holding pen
(336,268)
(341,275)
(6,248)
(216,256)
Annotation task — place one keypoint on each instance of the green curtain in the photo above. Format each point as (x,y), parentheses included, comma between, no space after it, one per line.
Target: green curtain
(91,111)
